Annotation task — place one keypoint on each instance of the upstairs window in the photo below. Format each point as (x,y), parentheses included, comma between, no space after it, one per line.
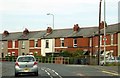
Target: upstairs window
(36,42)
(2,45)
(90,42)
(13,44)
(23,44)
(47,44)
(62,42)
(112,39)
(75,42)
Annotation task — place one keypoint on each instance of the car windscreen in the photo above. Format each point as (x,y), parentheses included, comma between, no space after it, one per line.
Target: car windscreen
(26,59)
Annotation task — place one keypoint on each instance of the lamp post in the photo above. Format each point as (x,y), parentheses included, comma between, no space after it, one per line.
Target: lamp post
(53,18)
(104,32)
(53,28)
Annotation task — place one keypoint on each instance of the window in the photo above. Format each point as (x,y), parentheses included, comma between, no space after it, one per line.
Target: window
(2,45)
(100,39)
(2,55)
(36,43)
(75,42)
(90,42)
(26,59)
(23,44)
(13,44)
(62,42)
(47,44)
(13,53)
(112,39)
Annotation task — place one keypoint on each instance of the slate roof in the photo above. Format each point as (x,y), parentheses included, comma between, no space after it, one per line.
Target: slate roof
(38,34)
(12,36)
(61,33)
(84,32)
(113,28)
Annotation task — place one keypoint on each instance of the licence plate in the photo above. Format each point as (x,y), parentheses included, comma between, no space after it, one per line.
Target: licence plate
(26,70)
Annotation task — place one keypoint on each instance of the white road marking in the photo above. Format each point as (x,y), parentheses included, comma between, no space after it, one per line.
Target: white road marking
(48,73)
(45,69)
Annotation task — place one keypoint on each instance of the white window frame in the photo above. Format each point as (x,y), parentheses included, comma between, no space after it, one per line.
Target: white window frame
(2,45)
(23,44)
(100,39)
(13,44)
(36,43)
(46,43)
(62,42)
(75,42)
(90,42)
(13,53)
(112,37)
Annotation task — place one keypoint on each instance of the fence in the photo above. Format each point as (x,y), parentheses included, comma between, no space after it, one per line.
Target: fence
(57,60)
(60,60)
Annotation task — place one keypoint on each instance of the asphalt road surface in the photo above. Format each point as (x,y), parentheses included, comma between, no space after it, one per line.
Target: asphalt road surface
(62,71)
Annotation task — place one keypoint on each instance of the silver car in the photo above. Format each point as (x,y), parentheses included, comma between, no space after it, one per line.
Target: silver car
(26,64)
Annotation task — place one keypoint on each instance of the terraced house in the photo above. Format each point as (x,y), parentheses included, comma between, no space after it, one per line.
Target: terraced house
(51,41)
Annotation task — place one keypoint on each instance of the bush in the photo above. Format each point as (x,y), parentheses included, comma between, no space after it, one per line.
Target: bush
(65,54)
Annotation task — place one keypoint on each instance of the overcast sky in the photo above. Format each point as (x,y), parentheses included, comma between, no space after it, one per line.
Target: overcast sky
(16,15)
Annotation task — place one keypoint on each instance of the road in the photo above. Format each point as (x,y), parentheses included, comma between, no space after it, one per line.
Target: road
(62,71)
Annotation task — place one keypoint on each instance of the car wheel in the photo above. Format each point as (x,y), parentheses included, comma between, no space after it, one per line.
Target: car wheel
(36,73)
(16,75)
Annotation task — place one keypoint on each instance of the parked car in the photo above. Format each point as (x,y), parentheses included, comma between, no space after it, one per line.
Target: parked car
(26,64)
(110,61)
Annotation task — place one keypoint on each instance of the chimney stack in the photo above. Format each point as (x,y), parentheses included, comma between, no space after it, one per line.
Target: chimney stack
(5,33)
(49,30)
(76,28)
(26,31)
(102,25)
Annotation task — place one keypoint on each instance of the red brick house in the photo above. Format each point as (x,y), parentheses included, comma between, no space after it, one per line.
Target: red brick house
(54,41)
(112,41)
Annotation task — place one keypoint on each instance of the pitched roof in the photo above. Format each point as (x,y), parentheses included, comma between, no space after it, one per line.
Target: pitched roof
(113,28)
(12,36)
(38,34)
(83,32)
(61,33)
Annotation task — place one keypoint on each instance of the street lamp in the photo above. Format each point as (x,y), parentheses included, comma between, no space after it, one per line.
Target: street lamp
(53,18)
(104,32)
(53,28)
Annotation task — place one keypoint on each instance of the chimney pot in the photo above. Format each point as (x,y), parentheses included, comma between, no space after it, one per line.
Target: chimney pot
(76,28)
(102,25)
(26,31)
(49,30)
(5,33)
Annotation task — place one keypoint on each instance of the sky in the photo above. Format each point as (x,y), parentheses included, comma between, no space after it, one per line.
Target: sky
(16,15)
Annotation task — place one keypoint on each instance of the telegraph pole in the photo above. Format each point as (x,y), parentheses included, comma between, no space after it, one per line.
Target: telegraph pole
(99,32)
